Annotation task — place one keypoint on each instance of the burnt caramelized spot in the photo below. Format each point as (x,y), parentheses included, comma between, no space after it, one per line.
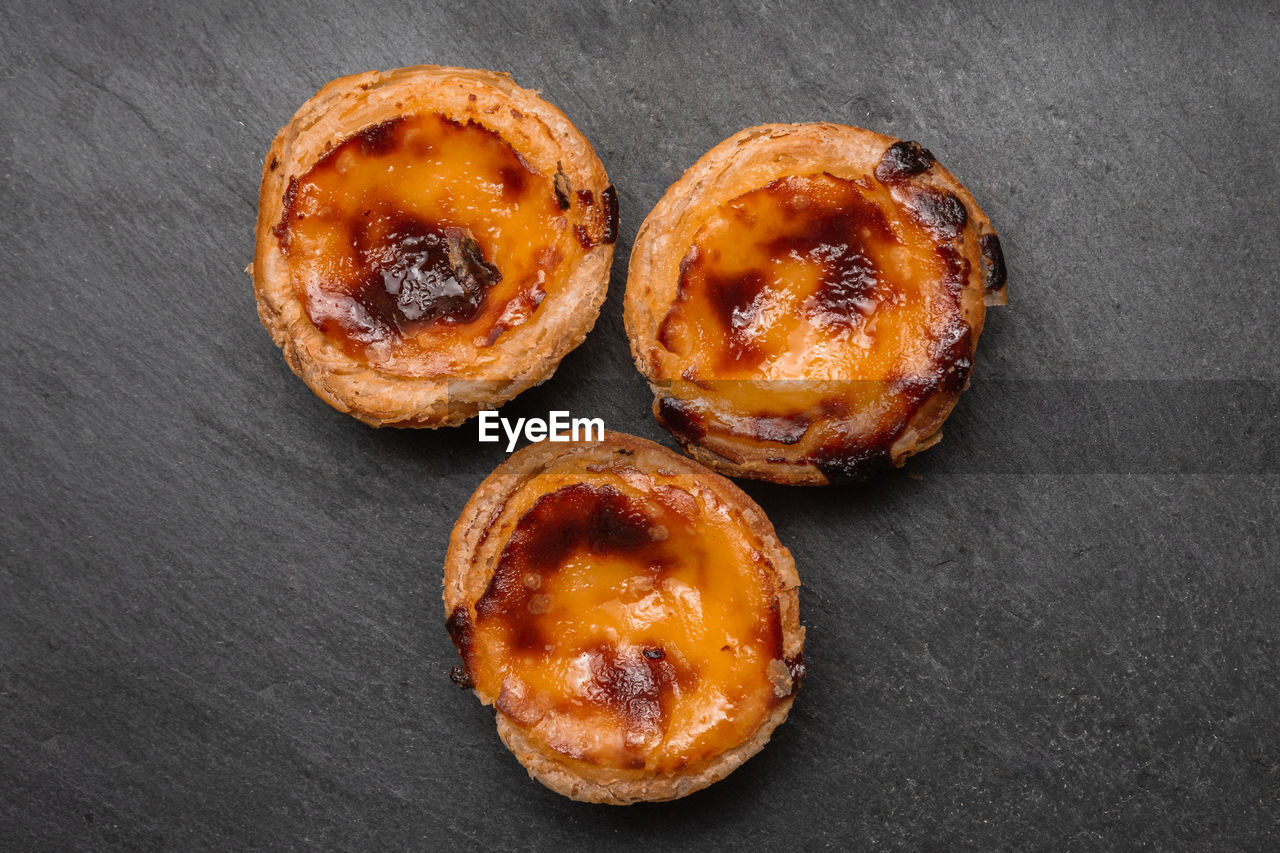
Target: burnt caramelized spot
(780,429)
(281,229)
(597,519)
(514,181)
(610,200)
(600,222)
(838,238)
(415,274)
(378,139)
(955,268)
(938,210)
(561,185)
(635,687)
(795,665)
(851,462)
(737,303)
(680,419)
(953,353)
(459,627)
(903,160)
(831,231)
(769,632)
(994,274)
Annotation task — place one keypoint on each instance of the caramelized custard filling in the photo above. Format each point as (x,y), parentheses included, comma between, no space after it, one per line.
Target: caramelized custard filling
(814,298)
(416,243)
(629,624)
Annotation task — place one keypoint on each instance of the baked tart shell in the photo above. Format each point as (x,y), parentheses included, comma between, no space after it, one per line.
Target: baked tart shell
(437,388)
(481,542)
(919,196)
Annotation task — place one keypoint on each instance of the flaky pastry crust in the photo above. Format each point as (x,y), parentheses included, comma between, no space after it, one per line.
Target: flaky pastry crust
(546,142)
(757,158)
(476,546)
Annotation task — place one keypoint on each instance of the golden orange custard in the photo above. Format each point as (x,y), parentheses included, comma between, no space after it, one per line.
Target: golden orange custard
(633,621)
(812,326)
(418,241)
(431,242)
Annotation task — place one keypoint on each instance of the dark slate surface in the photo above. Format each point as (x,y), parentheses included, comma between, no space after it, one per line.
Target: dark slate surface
(220,624)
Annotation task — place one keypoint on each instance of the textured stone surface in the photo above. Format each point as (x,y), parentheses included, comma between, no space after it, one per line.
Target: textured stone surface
(220,624)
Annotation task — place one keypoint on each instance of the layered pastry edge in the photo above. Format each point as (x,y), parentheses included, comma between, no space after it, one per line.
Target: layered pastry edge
(749,161)
(544,139)
(477,547)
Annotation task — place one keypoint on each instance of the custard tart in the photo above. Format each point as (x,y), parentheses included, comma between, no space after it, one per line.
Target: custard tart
(630,614)
(430,242)
(806,301)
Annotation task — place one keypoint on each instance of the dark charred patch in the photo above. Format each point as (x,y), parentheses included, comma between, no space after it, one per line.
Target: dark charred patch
(681,420)
(575,519)
(514,180)
(770,631)
(851,462)
(994,274)
(668,330)
(954,356)
(689,265)
(415,273)
(378,138)
(561,184)
(780,429)
(586,201)
(460,631)
(275,164)
(600,225)
(955,269)
(956,375)
(609,198)
(570,520)
(736,302)
(795,665)
(938,210)
(281,229)
(902,160)
(951,357)
(832,234)
(636,688)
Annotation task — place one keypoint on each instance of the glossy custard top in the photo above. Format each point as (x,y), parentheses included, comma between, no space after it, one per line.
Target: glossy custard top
(630,624)
(815,297)
(417,242)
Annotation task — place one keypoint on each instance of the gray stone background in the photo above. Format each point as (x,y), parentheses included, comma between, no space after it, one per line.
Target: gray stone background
(220,624)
